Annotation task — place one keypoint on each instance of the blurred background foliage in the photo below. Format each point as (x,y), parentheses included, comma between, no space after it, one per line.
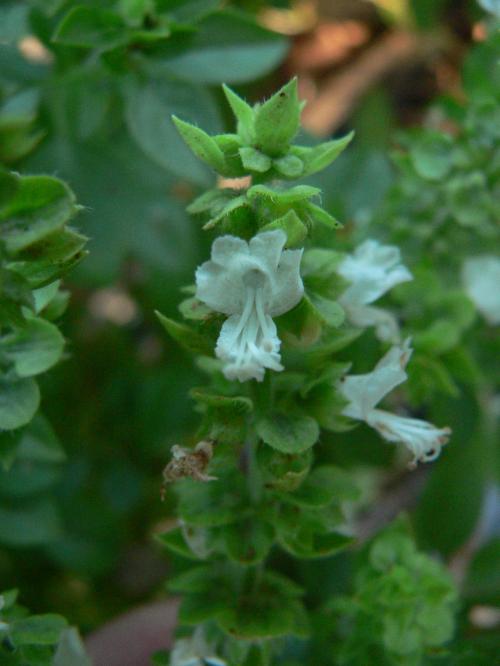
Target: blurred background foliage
(92,106)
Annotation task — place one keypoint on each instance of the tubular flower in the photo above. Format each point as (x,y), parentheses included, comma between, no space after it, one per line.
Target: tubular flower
(481,279)
(364,392)
(372,270)
(251,283)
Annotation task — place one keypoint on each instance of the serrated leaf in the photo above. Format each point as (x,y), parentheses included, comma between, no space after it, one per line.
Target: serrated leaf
(288,433)
(289,166)
(283,196)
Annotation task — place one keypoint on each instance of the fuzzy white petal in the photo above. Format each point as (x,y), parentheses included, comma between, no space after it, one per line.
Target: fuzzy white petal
(250,282)
(364,392)
(423,439)
(364,316)
(373,269)
(481,279)
(194,651)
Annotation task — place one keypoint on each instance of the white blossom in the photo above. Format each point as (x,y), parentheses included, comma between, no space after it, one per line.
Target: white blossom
(481,279)
(251,283)
(373,269)
(364,392)
(194,651)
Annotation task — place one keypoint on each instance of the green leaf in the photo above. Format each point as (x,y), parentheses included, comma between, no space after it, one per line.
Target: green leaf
(289,166)
(40,206)
(316,546)
(269,610)
(288,433)
(327,311)
(37,630)
(185,336)
(244,114)
(228,46)
(292,225)
(91,27)
(249,540)
(29,524)
(49,259)
(34,348)
(324,485)
(319,157)
(236,404)
(277,121)
(254,160)
(320,215)
(283,197)
(201,144)
(174,541)
(209,504)
(431,156)
(149,107)
(19,400)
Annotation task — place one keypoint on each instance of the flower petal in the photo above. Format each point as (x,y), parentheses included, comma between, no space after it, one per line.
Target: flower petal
(267,248)
(481,278)
(288,288)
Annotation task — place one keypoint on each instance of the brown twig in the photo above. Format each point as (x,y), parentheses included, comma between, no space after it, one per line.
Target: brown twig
(340,92)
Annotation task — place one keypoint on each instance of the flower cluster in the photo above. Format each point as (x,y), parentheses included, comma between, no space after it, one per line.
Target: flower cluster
(364,392)
(373,269)
(251,283)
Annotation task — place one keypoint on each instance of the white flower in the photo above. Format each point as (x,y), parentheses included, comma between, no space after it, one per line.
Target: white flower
(372,270)
(250,282)
(481,279)
(364,392)
(194,651)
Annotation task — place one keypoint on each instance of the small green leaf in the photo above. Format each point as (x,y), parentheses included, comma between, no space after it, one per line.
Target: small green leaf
(317,546)
(325,484)
(201,144)
(237,404)
(320,215)
(289,166)
(249,540)
(244,114)
(91,27)
(174,541)
(327,311)
(431,156)
(40,206)
(185,336)
(292,225)
(288,433)
(19,400)
(319,157)
(283,196)
(34,348)
(37,630)
(277,121)
(29,524)
(254,160)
